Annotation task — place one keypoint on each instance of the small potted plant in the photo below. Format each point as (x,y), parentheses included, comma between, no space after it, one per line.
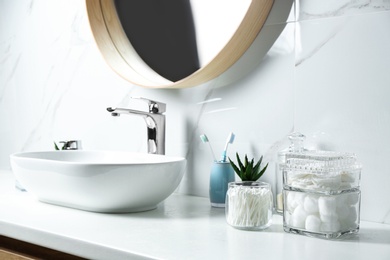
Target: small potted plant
(249,202)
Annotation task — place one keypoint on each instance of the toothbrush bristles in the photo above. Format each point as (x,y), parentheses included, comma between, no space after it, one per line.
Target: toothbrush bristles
(204,139)
(230,140)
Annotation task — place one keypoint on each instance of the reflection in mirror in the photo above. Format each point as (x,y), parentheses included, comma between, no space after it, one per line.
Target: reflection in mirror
(163,35)
(213,56)
(216,21)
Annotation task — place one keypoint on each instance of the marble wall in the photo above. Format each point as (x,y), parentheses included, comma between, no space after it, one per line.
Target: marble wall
(327,76)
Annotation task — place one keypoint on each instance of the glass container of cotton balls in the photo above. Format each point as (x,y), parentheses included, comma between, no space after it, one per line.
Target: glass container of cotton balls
(321,194)
(249,205)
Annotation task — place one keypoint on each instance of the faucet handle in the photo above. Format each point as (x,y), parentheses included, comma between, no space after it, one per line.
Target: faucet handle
(71,145)
(155,107)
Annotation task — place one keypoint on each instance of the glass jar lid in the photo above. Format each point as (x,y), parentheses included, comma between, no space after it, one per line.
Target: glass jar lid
(321,171)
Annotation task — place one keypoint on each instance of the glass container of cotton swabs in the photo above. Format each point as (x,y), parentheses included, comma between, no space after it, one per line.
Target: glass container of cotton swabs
(249,205)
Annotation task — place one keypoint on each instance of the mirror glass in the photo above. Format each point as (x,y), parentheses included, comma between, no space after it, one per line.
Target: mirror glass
(177,37)
(216,21)
(175,43)
(163,34)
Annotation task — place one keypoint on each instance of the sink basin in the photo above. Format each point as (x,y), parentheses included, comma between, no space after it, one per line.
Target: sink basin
(99,181)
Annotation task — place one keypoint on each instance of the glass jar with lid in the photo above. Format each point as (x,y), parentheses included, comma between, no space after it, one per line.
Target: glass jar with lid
(321,193)
(296,147)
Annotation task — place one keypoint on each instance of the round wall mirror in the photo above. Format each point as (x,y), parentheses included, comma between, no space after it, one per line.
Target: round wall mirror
(176,43)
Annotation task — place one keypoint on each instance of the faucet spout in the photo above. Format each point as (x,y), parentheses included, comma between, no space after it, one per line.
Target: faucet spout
(116,111)
(155,123)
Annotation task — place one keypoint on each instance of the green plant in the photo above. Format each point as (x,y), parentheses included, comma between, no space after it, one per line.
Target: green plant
(57,148)
(248,171)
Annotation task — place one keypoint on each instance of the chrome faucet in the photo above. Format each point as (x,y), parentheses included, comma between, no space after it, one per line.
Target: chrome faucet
(155,123)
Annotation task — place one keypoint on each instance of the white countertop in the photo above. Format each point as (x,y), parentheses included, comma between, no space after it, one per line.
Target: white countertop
(183,227)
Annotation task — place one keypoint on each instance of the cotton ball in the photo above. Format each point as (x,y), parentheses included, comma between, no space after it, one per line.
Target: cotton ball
(353,214)
(330,226)
(348,199)
(310,204)
(329,218)
(343,212)
(327,205)
(290,201)
(300,198)
(353,198)
(313,223)
(351,221)
(294,199)
(341,200)
(343,207)
(298,217)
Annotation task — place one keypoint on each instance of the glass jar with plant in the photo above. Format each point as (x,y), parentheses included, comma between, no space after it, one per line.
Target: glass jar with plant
(249,202)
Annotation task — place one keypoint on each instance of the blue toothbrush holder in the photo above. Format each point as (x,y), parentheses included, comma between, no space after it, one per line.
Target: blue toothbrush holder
(221,174)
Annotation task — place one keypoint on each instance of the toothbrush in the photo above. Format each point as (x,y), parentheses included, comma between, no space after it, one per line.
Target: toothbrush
(230,140)
(204,139)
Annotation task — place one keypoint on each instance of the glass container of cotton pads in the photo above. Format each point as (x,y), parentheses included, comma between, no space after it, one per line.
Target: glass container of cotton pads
(321,194)
(296,147)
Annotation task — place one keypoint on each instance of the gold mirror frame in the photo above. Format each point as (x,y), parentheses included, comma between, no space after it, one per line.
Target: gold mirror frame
(124,60)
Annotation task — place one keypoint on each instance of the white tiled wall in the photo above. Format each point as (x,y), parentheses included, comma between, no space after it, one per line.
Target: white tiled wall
(327,76)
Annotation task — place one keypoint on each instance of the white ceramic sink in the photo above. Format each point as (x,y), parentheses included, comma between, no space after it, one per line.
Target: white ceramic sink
(100,181)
